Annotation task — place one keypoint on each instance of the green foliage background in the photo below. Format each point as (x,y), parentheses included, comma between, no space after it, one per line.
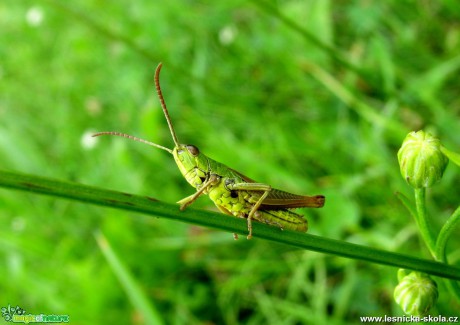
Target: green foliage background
(250,90)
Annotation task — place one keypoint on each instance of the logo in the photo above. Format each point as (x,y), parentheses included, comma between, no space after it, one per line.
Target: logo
(18,315)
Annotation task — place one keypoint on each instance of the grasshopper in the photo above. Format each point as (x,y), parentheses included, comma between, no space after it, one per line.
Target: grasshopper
(232,192)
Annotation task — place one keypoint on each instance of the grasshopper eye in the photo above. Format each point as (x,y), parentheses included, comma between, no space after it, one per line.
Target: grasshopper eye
(194,151)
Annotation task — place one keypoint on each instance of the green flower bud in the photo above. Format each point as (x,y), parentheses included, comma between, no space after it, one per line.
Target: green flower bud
(416,293)
(420,159)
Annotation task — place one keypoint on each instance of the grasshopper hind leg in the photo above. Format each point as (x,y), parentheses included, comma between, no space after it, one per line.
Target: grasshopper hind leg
(254,211)
(251,187)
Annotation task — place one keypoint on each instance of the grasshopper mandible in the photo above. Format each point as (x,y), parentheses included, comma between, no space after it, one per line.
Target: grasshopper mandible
(232,192)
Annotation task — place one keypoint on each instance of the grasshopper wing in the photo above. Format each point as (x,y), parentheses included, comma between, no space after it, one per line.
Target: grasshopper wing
(277,199)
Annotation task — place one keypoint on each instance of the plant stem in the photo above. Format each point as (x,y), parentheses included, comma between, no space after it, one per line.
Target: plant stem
(441,243)
(150,206)
(437,247)
(445,233)
(422,221)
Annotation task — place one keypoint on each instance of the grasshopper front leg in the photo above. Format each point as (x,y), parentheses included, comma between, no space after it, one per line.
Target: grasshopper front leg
(250,187)
(185,202)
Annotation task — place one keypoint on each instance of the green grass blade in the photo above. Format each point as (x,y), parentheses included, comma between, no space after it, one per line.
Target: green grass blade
(408,204)
(139,300)
(153,207)
(453,156)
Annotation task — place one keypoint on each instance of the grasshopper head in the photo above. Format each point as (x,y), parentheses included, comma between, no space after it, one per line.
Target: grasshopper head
(191,163)
(186,157)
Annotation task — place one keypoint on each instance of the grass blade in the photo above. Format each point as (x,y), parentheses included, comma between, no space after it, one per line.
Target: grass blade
(139,300)
(156,208)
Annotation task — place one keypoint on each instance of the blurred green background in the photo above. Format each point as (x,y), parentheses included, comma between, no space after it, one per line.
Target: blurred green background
(251,89)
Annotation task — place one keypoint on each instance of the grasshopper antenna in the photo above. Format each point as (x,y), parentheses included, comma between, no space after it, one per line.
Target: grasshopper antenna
(163,104)
(133,138)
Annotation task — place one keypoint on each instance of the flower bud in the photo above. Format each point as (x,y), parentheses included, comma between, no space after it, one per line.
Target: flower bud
(416,293)
(420,159)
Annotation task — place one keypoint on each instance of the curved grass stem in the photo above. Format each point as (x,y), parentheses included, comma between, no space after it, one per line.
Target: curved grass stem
(153,207)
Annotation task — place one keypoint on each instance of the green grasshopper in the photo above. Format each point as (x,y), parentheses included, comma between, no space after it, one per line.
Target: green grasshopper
(232,192)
